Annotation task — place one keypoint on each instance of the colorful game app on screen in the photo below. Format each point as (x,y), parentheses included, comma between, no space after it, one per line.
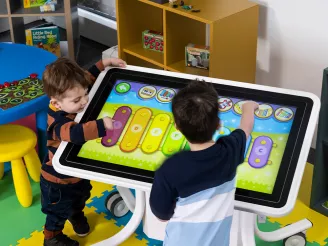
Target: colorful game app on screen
(144,133)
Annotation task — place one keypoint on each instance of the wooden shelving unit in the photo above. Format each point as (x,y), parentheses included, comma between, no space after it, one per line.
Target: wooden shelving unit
(15,12)
(230,28)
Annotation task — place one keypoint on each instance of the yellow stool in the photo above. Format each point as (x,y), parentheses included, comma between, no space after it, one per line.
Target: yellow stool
(17,142)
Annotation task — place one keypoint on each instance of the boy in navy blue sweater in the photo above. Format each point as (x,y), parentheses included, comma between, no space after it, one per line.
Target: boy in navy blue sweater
(195,189)
(63,197)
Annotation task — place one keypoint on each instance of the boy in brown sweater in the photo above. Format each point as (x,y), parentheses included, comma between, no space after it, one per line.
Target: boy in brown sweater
(63,197)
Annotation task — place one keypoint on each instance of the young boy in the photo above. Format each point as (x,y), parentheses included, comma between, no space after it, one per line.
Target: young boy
(64,197)
(195,189)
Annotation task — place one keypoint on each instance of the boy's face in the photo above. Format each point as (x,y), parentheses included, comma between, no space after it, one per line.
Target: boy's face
(74,100)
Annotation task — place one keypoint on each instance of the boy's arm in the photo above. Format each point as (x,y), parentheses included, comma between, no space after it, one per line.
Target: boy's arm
(235,143)
(70,131)
(247,117)
(95,70)
(100,66)
(162,197)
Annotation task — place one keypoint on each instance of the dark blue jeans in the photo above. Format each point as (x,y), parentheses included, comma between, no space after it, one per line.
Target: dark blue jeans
(61,202)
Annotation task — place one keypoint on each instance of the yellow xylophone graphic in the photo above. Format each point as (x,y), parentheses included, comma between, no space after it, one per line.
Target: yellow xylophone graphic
(145,131)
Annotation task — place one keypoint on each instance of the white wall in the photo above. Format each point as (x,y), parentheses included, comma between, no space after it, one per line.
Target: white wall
(293,44)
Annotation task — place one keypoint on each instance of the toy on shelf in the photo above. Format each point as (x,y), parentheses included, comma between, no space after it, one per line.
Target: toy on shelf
(45,37)
(153,40)
(197,56)
(49,6)
(37,3)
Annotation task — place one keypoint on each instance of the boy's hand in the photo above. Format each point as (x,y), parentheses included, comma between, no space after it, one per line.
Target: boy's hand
(114,62)
(247,117)
(250,106)
(108,123)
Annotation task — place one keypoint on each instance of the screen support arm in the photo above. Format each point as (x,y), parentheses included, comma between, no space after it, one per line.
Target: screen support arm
(243,231)
(127,197)
(244,228)
(132,225)
(283,232)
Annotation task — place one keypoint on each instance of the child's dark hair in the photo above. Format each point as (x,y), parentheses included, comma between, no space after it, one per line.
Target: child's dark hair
(62,75)
(195,111)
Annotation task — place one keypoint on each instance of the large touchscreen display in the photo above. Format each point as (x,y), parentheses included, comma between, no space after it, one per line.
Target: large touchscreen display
(144,133)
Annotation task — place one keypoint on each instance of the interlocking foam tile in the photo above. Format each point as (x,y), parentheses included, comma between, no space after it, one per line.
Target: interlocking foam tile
(318,233)
(105,225)
(35,239)
(98,189)
(99,204)
(13,215)
(312,244)
(267,227)
(101,230)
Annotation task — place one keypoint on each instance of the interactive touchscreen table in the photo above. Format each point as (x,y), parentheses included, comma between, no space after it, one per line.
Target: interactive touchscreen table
(144,135)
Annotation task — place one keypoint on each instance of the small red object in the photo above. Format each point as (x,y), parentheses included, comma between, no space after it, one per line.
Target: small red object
(161,48)
(1,87)
(156,48)
(15,82)
(6,84)
(33,75)
(157,43)
(146,38)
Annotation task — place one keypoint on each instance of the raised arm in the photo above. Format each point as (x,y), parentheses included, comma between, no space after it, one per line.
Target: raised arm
(247,118)
(73,132)
(97,68)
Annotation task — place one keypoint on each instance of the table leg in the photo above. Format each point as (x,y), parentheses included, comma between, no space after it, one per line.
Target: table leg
(41,126)
(33,165)
(21,183)
(131,227)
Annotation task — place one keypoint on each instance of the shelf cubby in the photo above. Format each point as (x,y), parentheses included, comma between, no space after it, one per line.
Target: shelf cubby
(180,31)
(136,61)
(21,12)
(228,27)
(145,17)
(15,12)
(17,9)
(137,50)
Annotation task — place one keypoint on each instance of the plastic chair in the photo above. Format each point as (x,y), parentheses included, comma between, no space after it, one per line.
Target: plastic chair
(17,143)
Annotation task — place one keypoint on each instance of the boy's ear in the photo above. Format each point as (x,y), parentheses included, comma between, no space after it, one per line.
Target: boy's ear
(54,102)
